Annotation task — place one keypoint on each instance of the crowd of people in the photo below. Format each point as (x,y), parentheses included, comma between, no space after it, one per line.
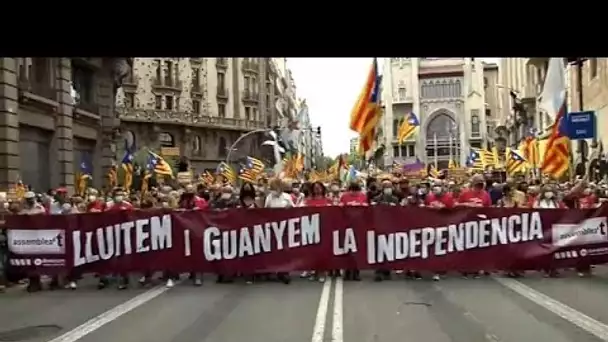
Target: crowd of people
(394,190)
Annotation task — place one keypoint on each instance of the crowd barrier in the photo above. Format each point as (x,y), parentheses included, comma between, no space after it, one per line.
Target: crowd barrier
(281,240)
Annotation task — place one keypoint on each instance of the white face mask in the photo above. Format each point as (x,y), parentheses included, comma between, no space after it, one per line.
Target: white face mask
(119,199)
(165,204)
(92,198)
(226,196)
(387,191)
(5,205)
(295,191)
(549,195)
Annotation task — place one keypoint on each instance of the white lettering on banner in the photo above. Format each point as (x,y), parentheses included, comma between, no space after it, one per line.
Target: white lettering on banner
(589,231)
(232,244)
(345,245)
(151,234)
(36,241)
(425,242)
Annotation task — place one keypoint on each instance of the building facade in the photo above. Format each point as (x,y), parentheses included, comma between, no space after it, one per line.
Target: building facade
(199,107)
(56,112)
(455,100)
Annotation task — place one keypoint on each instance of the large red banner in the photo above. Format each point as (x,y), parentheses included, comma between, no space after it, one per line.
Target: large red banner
(274,240)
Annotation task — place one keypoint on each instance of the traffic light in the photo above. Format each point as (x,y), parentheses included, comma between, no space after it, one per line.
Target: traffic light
(319,131)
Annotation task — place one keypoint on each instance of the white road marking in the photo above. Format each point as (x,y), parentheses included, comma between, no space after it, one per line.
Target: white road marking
(337,332)
(592,326)
(319,329)
(111,315)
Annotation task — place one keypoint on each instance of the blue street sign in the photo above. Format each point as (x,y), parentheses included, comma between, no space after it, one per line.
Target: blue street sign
(581,125)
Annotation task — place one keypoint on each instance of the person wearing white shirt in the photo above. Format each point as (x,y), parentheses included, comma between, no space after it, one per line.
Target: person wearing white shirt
(279,199)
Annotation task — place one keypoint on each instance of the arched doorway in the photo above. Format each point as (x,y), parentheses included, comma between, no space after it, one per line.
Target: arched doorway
(442,140)
(166,139)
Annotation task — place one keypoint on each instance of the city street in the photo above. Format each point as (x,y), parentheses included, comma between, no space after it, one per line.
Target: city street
(454,309)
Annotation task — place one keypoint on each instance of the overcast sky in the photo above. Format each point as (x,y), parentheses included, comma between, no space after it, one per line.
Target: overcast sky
(330,87)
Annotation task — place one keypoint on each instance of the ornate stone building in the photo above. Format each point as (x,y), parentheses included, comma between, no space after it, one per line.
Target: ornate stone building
(199,107)
(454,99)
(55,113)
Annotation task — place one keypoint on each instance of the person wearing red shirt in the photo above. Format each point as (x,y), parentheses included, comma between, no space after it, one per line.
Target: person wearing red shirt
(439,197)
(318,197)
(476,195)
(118,203)
(189,200)
(353,195)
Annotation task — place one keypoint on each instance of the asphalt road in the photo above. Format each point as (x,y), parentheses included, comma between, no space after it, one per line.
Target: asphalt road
(454,309)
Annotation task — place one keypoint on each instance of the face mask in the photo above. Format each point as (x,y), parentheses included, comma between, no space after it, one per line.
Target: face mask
(165,204)
(296,191)
(92,198)
(119,199)
(549,195)
(248,203)
(437,190)
(275,193)
(387,191)
(226,196)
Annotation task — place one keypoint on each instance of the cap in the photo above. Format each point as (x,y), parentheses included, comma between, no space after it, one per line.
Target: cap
(29,194)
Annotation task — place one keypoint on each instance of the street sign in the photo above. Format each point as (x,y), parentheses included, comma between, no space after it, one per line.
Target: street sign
(581,125)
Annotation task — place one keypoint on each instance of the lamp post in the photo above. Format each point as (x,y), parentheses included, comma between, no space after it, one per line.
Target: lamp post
(232,147)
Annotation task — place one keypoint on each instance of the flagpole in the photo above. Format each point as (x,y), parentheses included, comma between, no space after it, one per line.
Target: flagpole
(451,154)
(435,154)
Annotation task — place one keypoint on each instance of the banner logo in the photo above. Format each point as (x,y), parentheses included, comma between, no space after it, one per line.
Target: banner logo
(36,241)
(590,231)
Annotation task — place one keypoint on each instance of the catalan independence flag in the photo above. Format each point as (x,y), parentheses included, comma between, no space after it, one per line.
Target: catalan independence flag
(515,162)
(556,161)
(366,114)
(408,127)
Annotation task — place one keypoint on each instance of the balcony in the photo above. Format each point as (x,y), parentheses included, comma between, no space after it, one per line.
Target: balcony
(221,63)
(187,119)
(88,107)
(250,66)
(250,96)
(166,83)
(196,60)
(222,93)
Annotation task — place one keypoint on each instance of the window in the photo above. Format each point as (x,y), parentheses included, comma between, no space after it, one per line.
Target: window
(402,93)
(196,106)
(169,73)
(593,67)
(396,124)
(158,102)
(130,100)
(82,81)
(158,71)
(196,144)
(41,70)
(458,90)
(246,83)
(221,80)
(395,151)
(254,114)
(221,110)
(411,151)
(485,82)
(268,101)
(247,113)
(254,83)
(403,151)
(488,113)
(196,77)
(169,102)
(475,125)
